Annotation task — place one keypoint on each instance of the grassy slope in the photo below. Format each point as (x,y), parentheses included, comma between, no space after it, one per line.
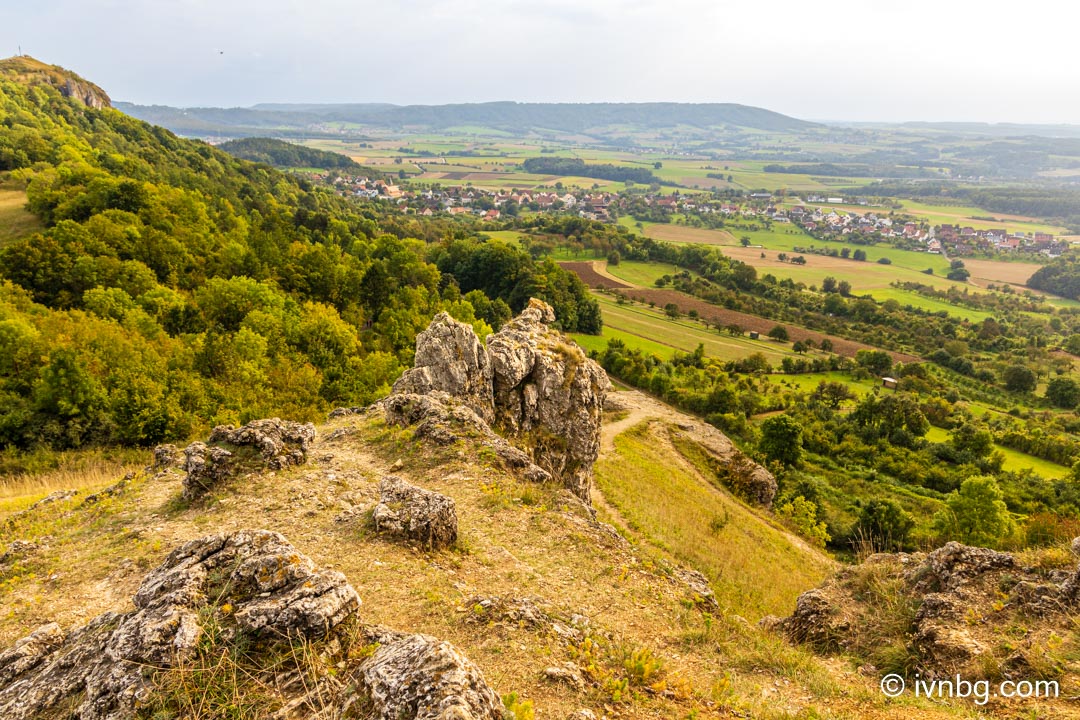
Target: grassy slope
(15,220)
(754,566)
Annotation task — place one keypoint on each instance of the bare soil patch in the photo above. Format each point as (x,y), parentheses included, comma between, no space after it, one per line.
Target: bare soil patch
(592,275)
(1017,273)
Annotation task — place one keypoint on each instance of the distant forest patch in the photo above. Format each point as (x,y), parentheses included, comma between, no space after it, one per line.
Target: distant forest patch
(285,154)
(852,170)
(577,167)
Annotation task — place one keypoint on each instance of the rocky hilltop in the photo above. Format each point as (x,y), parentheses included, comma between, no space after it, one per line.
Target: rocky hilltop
(474,512)
(957,610)
(32,71)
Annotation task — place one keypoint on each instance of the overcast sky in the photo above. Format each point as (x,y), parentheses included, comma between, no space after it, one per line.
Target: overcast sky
(838,60)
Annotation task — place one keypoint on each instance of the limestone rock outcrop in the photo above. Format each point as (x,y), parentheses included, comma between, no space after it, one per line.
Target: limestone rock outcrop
(418,676)
(254,588)
(530,382)
(271,443)
(959,598)
(549,395)
(451,359)
(415,513)
(268,586)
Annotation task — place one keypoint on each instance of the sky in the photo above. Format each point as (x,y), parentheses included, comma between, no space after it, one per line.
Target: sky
(855,60)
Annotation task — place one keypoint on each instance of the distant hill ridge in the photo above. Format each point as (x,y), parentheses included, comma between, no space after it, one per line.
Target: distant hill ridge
(508,116)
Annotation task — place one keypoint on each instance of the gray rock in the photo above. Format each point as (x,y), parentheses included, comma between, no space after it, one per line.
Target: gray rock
(19,548)
(549,396)
(953,564)
(699,585)
(568,673)
(451,359)
(271,443)
(439,418)
(206,466)
(29,652)
(817,621)
(421,678)
(280,442)
(166,457)
(98,670)
(531,382)
(415,513)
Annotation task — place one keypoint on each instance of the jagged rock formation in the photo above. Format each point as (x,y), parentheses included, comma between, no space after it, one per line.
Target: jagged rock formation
(961,600)
(252,584)
(451,359)
(549,395)
(229,450)
(415,513)
(530,382)
(269,585)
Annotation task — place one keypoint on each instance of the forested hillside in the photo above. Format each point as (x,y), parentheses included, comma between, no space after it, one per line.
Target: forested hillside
(175,286)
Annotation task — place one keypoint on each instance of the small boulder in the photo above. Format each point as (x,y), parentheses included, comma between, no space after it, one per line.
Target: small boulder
(206,466)
(422,678)
(166,457)
(415,513)
(280,443)
(271,443)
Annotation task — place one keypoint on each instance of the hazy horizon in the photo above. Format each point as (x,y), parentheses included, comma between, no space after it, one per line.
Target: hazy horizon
(851,62)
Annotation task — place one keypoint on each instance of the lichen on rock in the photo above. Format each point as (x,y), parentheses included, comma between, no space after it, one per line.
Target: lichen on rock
(415,513)
(271,443)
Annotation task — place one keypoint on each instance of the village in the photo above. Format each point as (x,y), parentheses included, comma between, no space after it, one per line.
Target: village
(813,214)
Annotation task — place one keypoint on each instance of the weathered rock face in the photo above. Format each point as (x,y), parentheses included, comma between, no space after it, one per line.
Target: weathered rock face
(254,584)
(415,513)
(270,587)
(271,443)
(530,382)
(86,93)
(437,417)
(959,597)
(417,676)
(451,359)
(549,396)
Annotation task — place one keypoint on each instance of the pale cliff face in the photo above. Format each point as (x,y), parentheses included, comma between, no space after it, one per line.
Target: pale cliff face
(86,93)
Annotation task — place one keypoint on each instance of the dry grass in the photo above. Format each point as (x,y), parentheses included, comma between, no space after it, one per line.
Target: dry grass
(684,234)
(755,567)
(15,220)
(516,540)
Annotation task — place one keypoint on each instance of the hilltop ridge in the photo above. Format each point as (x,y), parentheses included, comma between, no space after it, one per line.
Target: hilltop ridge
(516,118)
(33,71)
